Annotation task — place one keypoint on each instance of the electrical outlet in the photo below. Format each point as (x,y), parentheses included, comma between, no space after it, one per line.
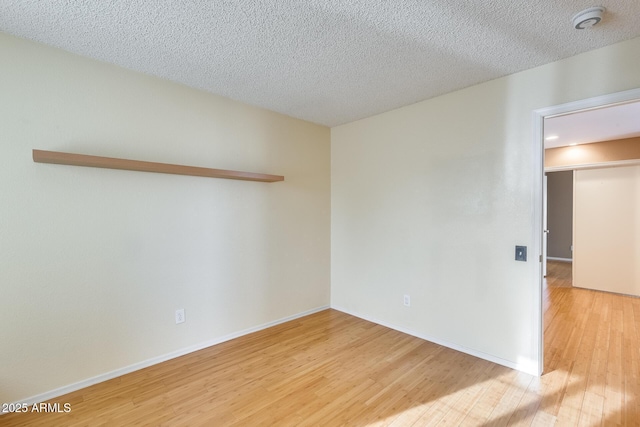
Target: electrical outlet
(180,316)
(407,301)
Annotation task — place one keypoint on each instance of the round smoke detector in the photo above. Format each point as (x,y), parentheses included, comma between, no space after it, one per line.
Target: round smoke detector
(587,18)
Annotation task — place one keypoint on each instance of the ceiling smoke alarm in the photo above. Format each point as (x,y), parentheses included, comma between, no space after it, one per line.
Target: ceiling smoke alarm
(588,18)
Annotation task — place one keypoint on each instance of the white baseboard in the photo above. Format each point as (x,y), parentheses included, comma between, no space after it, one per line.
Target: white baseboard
(552,258)
(43,397)
(528,366)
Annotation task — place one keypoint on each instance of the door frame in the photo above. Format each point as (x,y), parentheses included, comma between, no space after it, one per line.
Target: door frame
(545,224)
(538,172)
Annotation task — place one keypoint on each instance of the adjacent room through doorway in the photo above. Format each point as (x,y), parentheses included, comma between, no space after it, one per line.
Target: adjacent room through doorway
(590,292)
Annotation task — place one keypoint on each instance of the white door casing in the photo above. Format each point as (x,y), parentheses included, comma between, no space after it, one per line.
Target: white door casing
(538,186)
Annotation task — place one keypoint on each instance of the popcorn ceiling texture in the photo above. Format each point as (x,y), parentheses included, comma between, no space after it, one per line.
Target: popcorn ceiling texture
(325,61)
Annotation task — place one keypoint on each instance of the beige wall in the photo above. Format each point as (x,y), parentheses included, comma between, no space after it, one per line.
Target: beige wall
(560,214)
(94,262)
(589,154)
(429,200)
(607,229)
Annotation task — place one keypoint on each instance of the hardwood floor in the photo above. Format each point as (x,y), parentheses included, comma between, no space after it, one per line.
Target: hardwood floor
(332,369)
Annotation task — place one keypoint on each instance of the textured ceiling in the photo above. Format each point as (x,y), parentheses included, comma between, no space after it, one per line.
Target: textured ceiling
(326,61)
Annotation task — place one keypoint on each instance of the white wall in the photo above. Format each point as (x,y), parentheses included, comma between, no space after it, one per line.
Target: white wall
(94,262)
(607,229)
(429,200)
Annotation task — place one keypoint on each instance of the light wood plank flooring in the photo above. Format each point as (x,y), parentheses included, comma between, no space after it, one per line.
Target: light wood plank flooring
(332,369)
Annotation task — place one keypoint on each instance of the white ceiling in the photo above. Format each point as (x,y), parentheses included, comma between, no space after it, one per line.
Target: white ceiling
(326,61)
(602,124)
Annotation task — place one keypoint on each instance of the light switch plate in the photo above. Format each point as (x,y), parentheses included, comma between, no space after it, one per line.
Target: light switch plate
(521,253)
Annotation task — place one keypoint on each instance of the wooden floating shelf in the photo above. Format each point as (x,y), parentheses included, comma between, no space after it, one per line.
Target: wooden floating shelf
(58,158)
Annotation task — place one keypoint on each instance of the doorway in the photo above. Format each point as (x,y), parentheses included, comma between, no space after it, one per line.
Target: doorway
(540,116)
(559,228)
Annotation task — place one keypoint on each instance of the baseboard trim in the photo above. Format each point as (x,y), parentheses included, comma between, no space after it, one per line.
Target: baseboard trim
(552,258)
(528,367)
(43,397)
